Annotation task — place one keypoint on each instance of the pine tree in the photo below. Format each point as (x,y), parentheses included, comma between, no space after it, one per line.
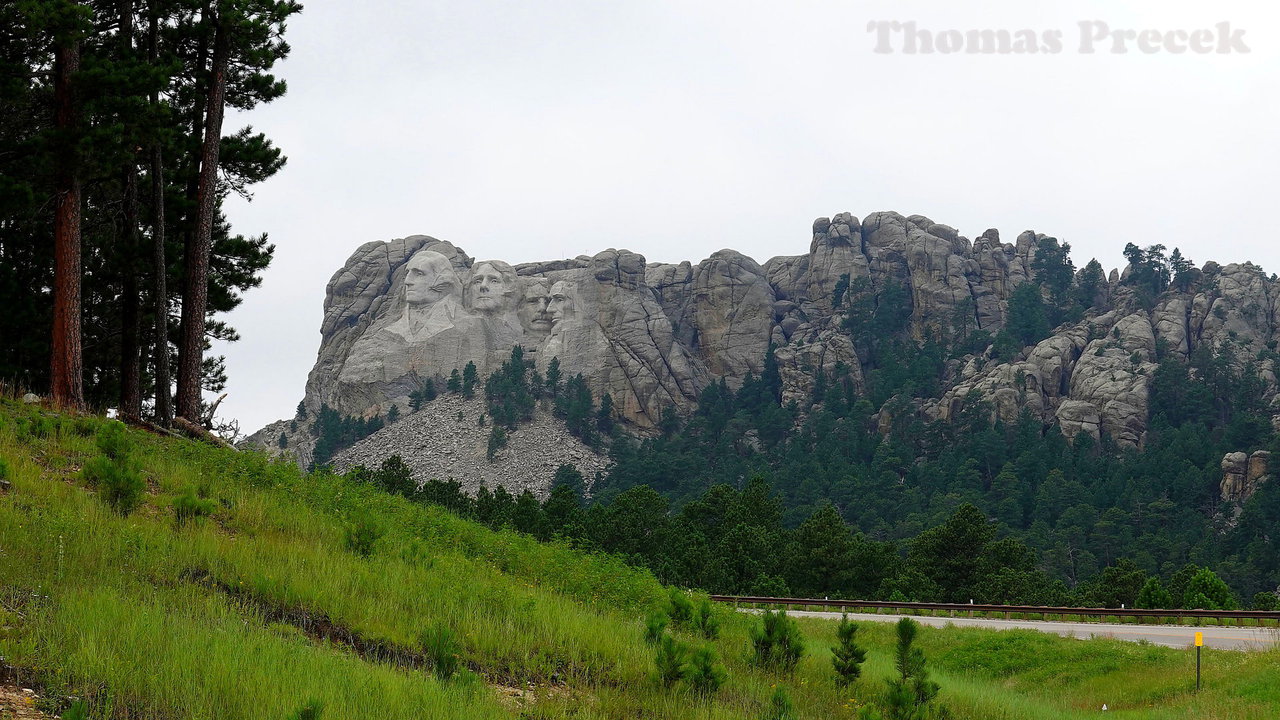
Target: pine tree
(912,691)
(469,380)
(604,416)
(553,377)
(246,33)
(846,656)
(455,382)
(67,374)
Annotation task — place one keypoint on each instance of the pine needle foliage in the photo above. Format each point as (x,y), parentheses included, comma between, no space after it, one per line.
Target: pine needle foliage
(776,643)
(847,657)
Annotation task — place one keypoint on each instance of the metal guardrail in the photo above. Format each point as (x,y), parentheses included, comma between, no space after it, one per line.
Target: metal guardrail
(1258,615)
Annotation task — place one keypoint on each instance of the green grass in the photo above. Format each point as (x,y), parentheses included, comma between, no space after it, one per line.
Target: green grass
(261,607)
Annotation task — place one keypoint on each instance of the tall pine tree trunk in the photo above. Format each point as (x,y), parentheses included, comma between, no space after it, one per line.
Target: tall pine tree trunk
(131,305)
(67,375)
(164,402)
(195,297)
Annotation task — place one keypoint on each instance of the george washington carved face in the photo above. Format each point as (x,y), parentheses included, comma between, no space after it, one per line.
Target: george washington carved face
(429,278)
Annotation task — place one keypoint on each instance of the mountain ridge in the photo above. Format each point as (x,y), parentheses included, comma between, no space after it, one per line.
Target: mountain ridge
(653,336)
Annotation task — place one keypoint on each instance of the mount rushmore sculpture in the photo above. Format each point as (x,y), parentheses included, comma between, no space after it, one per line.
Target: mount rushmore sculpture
(413,310)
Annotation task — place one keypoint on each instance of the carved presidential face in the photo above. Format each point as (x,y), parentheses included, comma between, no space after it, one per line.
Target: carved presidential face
(490,287)
(562,306)
(429,278)
(534,314)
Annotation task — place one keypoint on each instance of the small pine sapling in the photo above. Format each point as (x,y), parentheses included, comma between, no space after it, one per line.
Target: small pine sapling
(122,487)
(912,692)
(441,649)
(776,642)
(655,625)
(670,661)
(780,707)
(705,620)
(846,656)
(113,441)
(363,534)
(679,608)
(703,673)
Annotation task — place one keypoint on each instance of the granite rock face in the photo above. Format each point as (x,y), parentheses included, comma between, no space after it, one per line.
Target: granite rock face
(1243,473)
(1094,376)
(653,335)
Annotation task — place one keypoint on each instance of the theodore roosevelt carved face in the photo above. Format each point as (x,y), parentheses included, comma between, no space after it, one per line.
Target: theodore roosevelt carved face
(535,315)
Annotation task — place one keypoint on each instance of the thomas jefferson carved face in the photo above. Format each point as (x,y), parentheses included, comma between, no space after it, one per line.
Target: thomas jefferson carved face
(429,278)
(535,317)
(491,286)
(562,306)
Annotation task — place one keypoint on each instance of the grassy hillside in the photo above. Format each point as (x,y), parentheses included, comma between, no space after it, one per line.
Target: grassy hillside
(277,598)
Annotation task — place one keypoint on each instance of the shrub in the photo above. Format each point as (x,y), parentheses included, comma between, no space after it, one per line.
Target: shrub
(43,427)
(705,620)
(776,642)
(120,485)
(780,707)
(311,711)
(113,441)
(1207,591)
(84,426)
(654,626)
(363,534)
(670,660)
(396,477)
(441,650)
(1154,596)
(846,656)
(77,711)
(1261,601)
(189,506)
(96,469)
(679,608)
(703,673)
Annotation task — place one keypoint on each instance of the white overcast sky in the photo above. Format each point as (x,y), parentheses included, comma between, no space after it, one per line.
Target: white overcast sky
(535,130)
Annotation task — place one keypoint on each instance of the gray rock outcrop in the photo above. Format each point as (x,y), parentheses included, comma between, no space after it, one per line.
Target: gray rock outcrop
(1243,473)
(653,335)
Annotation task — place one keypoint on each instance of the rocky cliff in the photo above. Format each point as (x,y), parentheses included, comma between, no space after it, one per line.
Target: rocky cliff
(653,335)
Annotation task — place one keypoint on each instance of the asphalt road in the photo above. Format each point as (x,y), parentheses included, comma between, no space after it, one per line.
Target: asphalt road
(1219,637)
